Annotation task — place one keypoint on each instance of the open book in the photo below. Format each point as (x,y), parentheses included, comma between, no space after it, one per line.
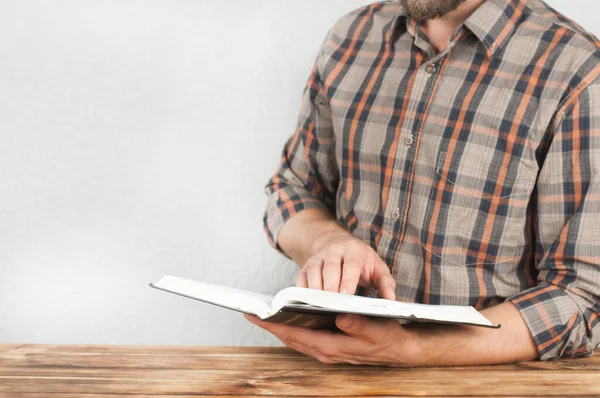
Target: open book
(316,308)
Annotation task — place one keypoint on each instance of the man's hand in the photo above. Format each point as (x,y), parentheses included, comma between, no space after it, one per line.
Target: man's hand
(331,258)
(365,341)
(343,264)
(381,341)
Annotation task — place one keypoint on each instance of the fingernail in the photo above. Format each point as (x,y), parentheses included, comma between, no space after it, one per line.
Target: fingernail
(344,291)
(393,290)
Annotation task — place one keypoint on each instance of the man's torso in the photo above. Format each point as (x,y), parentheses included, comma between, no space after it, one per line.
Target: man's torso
(438,154)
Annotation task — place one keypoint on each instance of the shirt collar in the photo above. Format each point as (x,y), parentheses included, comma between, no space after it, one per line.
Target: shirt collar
(398,23)
(492,23)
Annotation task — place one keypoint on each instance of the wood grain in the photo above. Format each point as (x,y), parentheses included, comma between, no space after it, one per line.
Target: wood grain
(34,371)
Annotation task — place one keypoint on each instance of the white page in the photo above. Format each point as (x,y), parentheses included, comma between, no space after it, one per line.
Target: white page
(375,306)
(239,300)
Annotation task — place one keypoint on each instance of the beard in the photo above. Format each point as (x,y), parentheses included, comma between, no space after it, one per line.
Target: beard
(424,10)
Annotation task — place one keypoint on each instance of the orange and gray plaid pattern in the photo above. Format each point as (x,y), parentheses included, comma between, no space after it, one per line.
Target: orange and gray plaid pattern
(474,172)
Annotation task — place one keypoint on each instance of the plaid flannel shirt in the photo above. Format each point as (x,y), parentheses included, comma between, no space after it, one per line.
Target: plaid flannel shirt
(474,173)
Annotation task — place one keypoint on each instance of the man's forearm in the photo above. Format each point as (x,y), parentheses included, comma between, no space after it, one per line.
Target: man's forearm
(305,234)
(459,345)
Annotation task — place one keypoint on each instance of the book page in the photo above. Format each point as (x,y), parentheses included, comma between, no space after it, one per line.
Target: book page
(378,307)
(227,297)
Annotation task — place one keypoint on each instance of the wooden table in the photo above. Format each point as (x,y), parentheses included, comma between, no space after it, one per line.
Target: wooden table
(105,371)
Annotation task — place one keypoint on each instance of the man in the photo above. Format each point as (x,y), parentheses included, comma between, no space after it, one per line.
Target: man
(448,152)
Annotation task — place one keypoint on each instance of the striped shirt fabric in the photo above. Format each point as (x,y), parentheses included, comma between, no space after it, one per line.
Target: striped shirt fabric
(473,172)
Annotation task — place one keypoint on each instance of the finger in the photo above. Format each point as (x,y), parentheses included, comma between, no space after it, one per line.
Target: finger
(362,327)
(320,340)
(351,271)
(332,273)
(314,275)
(251,318)
(311,352)
(276,329)
(301,279)
(324,345)
(384,281)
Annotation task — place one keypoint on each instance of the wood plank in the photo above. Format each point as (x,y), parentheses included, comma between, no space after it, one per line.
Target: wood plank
(45,395)
(274,382)
(144,350)
(153,357)
(101,371)
(209,358)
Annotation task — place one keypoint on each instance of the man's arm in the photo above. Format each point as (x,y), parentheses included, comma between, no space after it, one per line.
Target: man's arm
(299,218)
(307,178)
(458,345)
(380,341)
(563,311)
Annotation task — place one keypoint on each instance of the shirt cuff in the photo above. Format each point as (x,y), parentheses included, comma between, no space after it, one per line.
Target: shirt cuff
(555,321)
(282,205)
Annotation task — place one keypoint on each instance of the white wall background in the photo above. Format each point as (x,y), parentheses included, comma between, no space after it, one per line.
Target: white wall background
(135,141)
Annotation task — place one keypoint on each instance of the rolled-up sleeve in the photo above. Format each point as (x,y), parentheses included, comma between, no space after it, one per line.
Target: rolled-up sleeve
(562,311)
(308,175)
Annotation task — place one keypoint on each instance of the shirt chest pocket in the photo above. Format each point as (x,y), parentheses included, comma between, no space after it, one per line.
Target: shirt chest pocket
(477,210)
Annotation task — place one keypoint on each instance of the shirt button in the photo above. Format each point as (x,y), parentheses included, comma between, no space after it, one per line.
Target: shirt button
(430,69)
(396,214)
(409,140)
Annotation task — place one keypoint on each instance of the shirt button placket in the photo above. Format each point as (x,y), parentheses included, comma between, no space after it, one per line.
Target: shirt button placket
(430,69)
